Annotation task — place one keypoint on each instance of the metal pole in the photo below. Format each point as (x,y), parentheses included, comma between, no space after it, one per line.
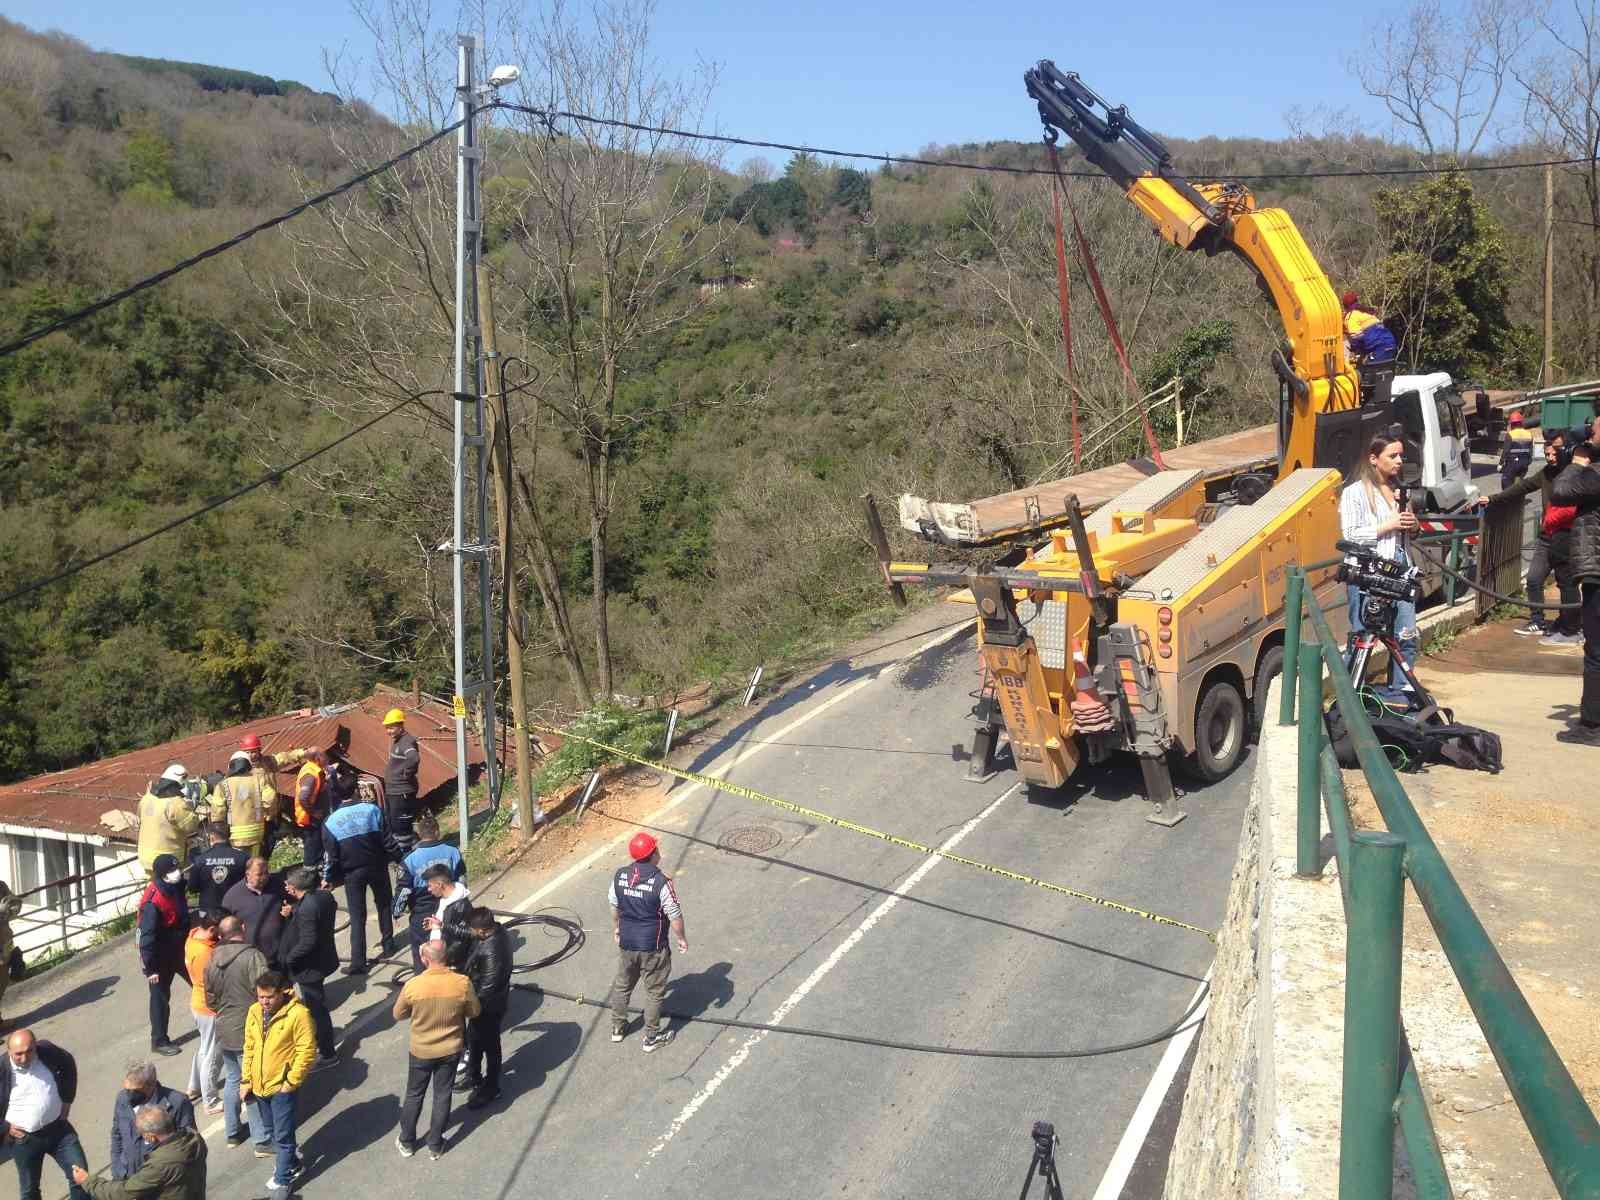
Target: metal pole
(464,165)
(1293,592)
(1371,1015)
(1547,374)
(672,728)
(1308,826)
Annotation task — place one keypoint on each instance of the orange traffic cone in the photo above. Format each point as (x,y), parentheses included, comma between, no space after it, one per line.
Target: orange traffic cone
(1089,711)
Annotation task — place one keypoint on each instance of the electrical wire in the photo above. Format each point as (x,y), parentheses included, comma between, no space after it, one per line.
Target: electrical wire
(551,115)
(1152,1039)
(273,476)
(150,281)
(1490,592)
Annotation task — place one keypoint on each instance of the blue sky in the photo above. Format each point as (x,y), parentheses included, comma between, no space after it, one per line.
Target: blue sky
(887,76)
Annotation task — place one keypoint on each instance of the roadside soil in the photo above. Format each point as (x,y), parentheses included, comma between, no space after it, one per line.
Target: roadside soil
(1521,844)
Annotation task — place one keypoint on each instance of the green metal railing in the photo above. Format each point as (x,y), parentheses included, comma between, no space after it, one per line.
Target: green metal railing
(1380,1081)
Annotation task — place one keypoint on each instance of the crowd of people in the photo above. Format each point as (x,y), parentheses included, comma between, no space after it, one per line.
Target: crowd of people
(1567,548)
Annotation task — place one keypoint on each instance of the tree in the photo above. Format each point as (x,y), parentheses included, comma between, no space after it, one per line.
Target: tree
(1442,72)
(1444,282)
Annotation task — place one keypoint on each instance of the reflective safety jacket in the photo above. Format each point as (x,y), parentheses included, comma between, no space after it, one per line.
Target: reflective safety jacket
(165,823)
(239,802)
(308,789)
(1369,337)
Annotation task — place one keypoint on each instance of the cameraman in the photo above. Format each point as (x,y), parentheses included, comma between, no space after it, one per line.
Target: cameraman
(1552,550)
(1579,485)
(1370,513)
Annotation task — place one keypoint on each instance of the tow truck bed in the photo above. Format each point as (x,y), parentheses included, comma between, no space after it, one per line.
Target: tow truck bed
(1043,506)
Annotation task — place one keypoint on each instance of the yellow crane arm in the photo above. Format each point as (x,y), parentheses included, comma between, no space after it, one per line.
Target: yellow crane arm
(1318,376)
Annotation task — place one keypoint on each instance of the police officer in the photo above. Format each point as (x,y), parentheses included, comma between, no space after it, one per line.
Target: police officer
(643,907)
(215,869)
(400,777)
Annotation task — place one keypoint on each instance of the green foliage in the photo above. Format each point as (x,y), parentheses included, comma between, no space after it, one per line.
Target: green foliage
(770,207)
(852,191)
(1445,281)
(638,731)
(213,79)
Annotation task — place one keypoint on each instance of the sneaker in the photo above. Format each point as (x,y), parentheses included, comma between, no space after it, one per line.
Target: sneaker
(618,1031)
(274,1186)
(238,1140)
(193,1094)
(166,1049)
(482,1097)
(405,1150)
(213,1107)
(467,1083)
(652,1040)
(1580,735)
(352,969)
(434,1155)
(264,1151)
(1556,638)
(1532,629)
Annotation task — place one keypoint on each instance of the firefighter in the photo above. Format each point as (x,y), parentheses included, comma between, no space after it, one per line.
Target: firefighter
(263,766)
(238,803)
(166,818)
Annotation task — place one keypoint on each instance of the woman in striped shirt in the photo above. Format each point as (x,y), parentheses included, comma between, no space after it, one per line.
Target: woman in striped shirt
(1370,513)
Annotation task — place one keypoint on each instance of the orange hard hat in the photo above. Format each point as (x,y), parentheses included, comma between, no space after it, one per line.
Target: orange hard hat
(1348,299)
(394,717)
(641,846)
(250,742)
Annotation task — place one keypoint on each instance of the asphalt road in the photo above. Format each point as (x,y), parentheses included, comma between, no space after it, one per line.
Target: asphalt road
(807,926)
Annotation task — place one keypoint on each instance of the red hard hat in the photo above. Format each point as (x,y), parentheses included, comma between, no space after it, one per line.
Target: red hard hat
(1516,418)
(1348,299)
(249,742)
(641,846)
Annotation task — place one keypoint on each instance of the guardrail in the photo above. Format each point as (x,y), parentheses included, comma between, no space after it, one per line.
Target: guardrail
(1380,1082)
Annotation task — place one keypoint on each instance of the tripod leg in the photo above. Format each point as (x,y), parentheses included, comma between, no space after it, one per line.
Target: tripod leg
(1052,1182)
(1027,1180)
(1421,696)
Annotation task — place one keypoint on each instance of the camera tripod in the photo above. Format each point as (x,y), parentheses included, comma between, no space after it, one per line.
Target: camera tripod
(1378,615)
(1044,1162)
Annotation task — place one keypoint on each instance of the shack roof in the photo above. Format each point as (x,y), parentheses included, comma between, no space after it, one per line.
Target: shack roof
(73,801)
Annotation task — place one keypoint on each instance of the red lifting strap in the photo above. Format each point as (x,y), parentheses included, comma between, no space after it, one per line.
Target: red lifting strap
(1087,258)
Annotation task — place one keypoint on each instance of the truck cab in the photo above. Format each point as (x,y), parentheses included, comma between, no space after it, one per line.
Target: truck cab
(1433,427)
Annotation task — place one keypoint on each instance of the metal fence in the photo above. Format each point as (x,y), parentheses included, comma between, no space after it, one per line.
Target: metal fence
(1380,1083)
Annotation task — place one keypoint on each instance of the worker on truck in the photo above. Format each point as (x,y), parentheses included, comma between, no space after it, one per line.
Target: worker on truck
(1516,453)
(1368,337)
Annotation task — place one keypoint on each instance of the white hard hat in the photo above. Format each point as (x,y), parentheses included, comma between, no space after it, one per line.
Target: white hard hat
(177,773)
(238,755)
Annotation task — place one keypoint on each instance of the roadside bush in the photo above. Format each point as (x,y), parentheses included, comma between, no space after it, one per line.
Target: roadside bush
(638,731)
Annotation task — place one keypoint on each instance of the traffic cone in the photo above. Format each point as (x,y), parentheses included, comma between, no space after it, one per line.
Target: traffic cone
(1089,711)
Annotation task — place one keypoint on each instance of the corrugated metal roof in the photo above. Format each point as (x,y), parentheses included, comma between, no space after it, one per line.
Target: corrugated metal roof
(73,801)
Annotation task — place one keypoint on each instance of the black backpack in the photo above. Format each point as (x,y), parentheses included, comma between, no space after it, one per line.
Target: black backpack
(1415,739)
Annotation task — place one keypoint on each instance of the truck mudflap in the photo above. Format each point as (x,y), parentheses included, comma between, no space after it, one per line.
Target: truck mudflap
(1127,674)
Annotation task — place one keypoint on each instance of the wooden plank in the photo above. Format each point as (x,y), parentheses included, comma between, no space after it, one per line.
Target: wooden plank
(1043,505)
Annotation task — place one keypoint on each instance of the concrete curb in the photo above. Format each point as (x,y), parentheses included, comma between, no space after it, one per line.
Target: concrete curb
(1261,1113)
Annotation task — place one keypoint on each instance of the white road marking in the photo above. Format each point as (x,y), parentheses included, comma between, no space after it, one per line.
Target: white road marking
(720,772)
(610,847)
(1121,1165)
(698,1100)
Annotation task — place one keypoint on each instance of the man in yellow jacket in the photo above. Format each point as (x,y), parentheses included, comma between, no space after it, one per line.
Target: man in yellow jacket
(280,1044)
(166,819)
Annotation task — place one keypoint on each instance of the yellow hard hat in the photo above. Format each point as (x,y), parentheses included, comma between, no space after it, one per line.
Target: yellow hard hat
(394,717)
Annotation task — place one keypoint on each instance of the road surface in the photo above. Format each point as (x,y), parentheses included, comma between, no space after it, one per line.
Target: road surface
(802,924)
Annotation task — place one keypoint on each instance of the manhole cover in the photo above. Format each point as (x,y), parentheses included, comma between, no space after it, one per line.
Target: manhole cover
(751,839)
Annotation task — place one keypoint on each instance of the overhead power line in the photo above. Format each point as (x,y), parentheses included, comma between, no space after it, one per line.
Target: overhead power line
(150,281)
(273,476)
(550,115)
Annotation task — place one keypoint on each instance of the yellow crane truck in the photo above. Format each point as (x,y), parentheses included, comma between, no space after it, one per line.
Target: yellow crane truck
(1155,624)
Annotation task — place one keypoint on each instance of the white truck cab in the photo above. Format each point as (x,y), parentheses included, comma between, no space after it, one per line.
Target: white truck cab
(1433,427)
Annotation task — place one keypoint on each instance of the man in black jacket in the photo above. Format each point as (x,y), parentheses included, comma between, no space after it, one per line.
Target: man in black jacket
(140,1086)
(357,849)
(214,870)
(1551,551)
(1580,485)
(454,906)
(308,953)
(38,1083)
(257,900)
(488,969)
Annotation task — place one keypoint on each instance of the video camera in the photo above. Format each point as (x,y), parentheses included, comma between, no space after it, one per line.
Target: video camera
(1384,581)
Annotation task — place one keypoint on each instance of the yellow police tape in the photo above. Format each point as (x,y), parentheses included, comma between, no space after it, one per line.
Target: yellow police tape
(735,789)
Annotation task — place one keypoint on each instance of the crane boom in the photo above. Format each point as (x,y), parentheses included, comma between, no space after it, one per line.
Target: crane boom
(1319,420)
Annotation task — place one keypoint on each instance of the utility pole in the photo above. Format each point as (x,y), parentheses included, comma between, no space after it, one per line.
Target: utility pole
(500,463)
(1547,375)
(470,434)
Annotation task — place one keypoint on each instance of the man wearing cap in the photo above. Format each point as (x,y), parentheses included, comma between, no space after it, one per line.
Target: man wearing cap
(1516,456)
(643,907)
(165,819)
(400,778)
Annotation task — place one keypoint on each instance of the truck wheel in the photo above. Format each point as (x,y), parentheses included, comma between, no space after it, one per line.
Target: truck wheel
(1220,730)
(1268,669)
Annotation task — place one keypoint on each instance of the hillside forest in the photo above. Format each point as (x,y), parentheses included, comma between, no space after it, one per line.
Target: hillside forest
(709,357)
